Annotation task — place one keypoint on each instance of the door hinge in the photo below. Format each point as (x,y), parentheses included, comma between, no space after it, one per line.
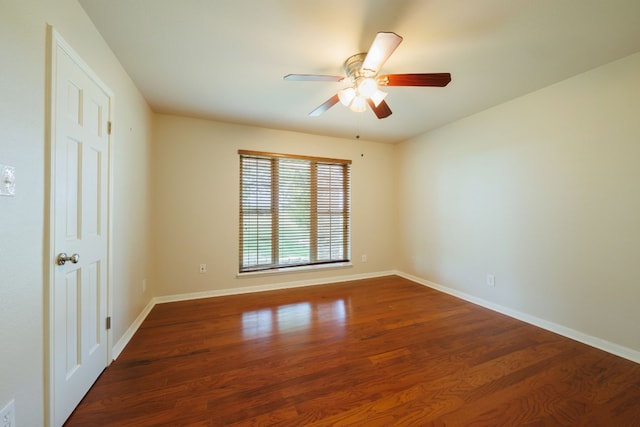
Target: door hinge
(108,322)
(109,127)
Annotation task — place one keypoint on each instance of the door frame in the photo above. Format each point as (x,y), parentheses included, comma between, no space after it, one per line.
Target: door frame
(55,41)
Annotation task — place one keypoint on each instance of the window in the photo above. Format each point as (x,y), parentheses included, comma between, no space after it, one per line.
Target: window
(294,211)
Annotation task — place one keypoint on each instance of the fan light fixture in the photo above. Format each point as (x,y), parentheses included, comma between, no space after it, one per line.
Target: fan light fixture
(362,79)
(378,96)
(367,87)
(364,85)
(346,96)
(359,104)
(356,97)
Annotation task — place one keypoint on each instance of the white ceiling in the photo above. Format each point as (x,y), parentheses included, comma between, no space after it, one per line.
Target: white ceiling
(224,59)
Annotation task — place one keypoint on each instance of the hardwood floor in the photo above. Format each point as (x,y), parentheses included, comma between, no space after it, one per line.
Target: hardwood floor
(376,352)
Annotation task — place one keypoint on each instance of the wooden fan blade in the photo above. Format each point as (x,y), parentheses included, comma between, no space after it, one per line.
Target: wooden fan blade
(382,110)
(425,79)
(381,49)
(313,78)
(324,107)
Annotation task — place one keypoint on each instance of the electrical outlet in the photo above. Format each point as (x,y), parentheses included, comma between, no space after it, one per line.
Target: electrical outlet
(364,258)
(491,280)
(144,285)
(203,268)
(7,181)
(8,415)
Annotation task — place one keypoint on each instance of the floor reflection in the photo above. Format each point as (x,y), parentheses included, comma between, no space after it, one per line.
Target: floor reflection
(294,317)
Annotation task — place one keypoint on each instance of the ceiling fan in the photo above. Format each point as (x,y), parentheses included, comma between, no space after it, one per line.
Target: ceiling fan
(364,81)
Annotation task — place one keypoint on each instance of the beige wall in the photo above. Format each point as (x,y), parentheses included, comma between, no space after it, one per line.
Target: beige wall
(196,202)
(23,29)
(543,192)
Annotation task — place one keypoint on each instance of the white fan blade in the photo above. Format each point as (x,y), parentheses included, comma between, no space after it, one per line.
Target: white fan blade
(381,49)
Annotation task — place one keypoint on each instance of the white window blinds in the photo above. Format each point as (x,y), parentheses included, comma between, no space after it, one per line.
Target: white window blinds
(294,211)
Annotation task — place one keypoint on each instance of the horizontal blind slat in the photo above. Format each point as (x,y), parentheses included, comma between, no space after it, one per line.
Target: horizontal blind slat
(290,215)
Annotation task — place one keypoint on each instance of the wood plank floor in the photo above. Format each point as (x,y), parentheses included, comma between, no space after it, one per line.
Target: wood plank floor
(375,352)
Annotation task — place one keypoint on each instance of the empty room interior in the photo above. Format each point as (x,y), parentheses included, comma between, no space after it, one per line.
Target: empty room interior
(208,218)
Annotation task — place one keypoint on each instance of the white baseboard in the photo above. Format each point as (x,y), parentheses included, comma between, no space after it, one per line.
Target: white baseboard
(122,342)
(271,287)
(590,340)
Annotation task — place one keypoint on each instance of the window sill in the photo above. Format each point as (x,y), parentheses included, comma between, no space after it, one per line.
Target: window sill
(292,270)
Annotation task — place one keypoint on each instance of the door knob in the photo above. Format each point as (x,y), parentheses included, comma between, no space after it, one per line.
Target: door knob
(63,258)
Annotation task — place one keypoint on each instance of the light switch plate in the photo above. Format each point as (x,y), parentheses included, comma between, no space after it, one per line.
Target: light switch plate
(7,180)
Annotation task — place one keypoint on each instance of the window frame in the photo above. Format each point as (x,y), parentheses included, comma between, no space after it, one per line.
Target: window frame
(314,213)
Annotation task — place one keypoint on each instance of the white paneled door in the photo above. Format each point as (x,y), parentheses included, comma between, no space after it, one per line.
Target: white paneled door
(80,108)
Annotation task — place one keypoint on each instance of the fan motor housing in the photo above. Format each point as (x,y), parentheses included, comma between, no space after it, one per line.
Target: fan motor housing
(353,67)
